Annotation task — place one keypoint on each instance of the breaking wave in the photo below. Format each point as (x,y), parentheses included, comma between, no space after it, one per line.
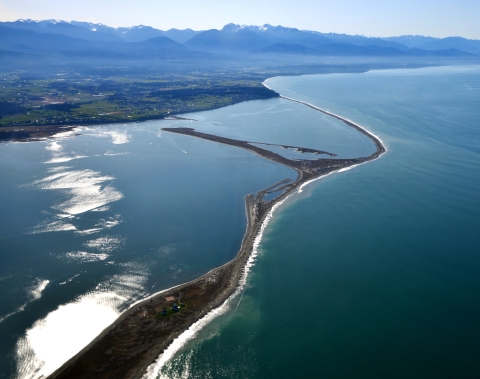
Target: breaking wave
(153,371)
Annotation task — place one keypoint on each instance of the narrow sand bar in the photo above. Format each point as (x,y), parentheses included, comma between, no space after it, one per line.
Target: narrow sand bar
(134,341)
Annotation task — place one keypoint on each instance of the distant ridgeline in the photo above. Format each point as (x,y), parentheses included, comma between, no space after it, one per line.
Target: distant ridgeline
(62,73)
(30,37)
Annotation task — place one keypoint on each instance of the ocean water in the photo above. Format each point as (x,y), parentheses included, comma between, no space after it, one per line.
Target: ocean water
(373,272)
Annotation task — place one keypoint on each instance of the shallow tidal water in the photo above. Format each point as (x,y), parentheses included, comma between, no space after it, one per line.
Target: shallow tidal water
(373,272)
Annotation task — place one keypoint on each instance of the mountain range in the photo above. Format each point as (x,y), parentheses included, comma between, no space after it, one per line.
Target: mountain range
(47,36)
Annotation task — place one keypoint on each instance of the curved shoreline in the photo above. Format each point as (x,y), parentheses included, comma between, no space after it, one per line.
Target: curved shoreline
(139,335)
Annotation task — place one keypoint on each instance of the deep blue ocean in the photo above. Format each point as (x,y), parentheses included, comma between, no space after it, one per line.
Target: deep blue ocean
(372,272)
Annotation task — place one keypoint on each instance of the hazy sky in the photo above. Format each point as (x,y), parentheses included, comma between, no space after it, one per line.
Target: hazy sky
(438,18)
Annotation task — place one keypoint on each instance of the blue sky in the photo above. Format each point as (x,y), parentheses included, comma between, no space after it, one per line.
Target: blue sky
(439,18)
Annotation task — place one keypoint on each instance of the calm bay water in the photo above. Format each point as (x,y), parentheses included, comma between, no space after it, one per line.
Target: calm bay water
(373,272)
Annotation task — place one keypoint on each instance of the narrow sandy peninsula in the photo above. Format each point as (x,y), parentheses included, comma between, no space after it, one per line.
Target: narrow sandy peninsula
(127,347)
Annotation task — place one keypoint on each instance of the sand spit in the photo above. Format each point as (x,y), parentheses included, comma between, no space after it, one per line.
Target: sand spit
(134,341)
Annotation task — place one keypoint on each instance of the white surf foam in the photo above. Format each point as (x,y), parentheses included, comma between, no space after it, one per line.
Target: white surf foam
(153,371)
(300,189)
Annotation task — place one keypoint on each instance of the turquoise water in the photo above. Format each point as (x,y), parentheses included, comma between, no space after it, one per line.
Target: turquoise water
(373,272)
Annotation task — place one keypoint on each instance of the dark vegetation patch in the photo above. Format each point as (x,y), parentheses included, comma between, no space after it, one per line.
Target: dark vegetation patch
(254,92)
(7,107)
(62,107)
